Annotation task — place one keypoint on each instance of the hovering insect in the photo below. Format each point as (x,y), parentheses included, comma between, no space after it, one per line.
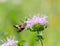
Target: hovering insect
(20,27)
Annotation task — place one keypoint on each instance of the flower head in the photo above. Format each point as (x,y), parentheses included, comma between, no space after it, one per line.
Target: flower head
(10,42)
(36,20)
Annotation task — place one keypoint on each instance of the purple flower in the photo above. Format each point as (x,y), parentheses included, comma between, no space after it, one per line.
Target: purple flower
(36,20)
(10,42)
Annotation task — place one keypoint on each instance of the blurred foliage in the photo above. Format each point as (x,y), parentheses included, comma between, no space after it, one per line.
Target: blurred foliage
(16,11)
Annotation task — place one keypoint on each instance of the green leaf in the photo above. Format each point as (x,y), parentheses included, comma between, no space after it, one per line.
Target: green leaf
(21,43)
(39,37)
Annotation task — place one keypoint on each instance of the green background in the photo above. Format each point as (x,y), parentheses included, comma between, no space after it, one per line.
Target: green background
(15,11)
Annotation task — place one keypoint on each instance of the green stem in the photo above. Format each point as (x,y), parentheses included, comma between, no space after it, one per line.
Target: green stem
(37,32)
(41,42)
(40,39)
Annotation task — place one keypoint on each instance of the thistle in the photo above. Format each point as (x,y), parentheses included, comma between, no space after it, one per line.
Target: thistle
(37,24)
(10,42)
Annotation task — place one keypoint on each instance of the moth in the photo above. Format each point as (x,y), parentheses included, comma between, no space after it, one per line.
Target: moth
(20,27)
